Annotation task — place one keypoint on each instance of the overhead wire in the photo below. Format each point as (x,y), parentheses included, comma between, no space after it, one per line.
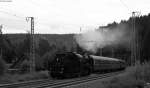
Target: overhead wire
(24,18)
(19,18)
(125,5)
(139,13)
(35,3)
(12,14)
(37,6)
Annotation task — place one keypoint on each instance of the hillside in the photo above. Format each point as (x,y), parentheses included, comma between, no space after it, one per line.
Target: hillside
(59,40)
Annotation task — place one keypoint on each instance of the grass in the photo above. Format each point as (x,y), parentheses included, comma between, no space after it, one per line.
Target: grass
(136,77)
(11,78)
(32,76)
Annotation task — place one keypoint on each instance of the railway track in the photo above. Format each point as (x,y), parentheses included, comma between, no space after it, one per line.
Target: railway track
(78,80)
(58,83)
(19,84)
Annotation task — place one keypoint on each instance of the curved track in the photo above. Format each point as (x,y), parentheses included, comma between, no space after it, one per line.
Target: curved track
(58,83)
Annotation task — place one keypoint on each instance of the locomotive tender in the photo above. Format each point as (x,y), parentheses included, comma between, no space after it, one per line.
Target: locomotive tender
(70,64)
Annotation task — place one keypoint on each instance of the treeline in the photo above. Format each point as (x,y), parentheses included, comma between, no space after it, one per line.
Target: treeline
(142,28)
(16,48)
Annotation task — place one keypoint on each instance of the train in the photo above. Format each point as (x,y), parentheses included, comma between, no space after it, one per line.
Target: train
(71,64)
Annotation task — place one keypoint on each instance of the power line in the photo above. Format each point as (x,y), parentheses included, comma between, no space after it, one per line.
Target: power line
(125,5)
(11,14)
(35,3)
(21,18)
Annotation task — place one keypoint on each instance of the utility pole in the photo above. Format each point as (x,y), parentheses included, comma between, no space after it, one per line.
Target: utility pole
(101,49)
(135,45)
(32,45)
(80,29)
(1,50)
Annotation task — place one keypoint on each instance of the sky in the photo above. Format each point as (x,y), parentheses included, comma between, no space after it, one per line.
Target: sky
(66,16)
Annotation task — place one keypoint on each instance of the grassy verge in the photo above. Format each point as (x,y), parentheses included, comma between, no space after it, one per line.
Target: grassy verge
(136,77)
(9,78)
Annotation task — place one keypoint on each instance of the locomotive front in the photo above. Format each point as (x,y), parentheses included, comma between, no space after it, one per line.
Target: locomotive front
(65,65)
(69,64)
(57,66)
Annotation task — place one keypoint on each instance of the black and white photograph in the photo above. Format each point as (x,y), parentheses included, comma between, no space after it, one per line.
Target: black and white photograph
(74,44)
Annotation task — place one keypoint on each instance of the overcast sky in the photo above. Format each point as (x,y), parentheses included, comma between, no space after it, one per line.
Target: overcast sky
(66,16)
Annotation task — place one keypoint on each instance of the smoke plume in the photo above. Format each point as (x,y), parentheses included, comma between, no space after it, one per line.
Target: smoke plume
(103,37)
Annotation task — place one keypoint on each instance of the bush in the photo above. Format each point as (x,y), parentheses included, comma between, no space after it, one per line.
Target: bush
(140,72)
(2,67)
(136,77)
(125,82)
(47,58)
(38,63)
(31,76)
(25,67)
(12,78)
(7,78)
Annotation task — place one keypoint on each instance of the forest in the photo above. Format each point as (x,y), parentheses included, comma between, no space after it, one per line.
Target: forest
(142,29)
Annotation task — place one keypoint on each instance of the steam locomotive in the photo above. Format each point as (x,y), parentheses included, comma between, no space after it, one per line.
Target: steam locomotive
(70,64)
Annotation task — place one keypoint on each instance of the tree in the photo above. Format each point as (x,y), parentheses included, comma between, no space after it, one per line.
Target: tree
(43,47)
(7,48)
(25,66)
(143,33)
(23,46)
(2,66)
(47,58)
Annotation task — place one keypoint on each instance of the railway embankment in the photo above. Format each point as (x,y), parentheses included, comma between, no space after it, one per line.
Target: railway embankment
(14,78)
(137,76)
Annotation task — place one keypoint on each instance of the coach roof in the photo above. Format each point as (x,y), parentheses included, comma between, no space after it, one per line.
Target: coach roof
(104,58)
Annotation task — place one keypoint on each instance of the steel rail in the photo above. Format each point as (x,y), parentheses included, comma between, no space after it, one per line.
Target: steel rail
(18,84)
(57,83)
(74,81)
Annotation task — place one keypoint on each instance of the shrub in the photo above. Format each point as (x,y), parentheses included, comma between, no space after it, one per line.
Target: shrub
(25,67)
(38,63)
(124,82)
(136,76)
(47,58)
(7,78)
(31,76)
(140,72)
